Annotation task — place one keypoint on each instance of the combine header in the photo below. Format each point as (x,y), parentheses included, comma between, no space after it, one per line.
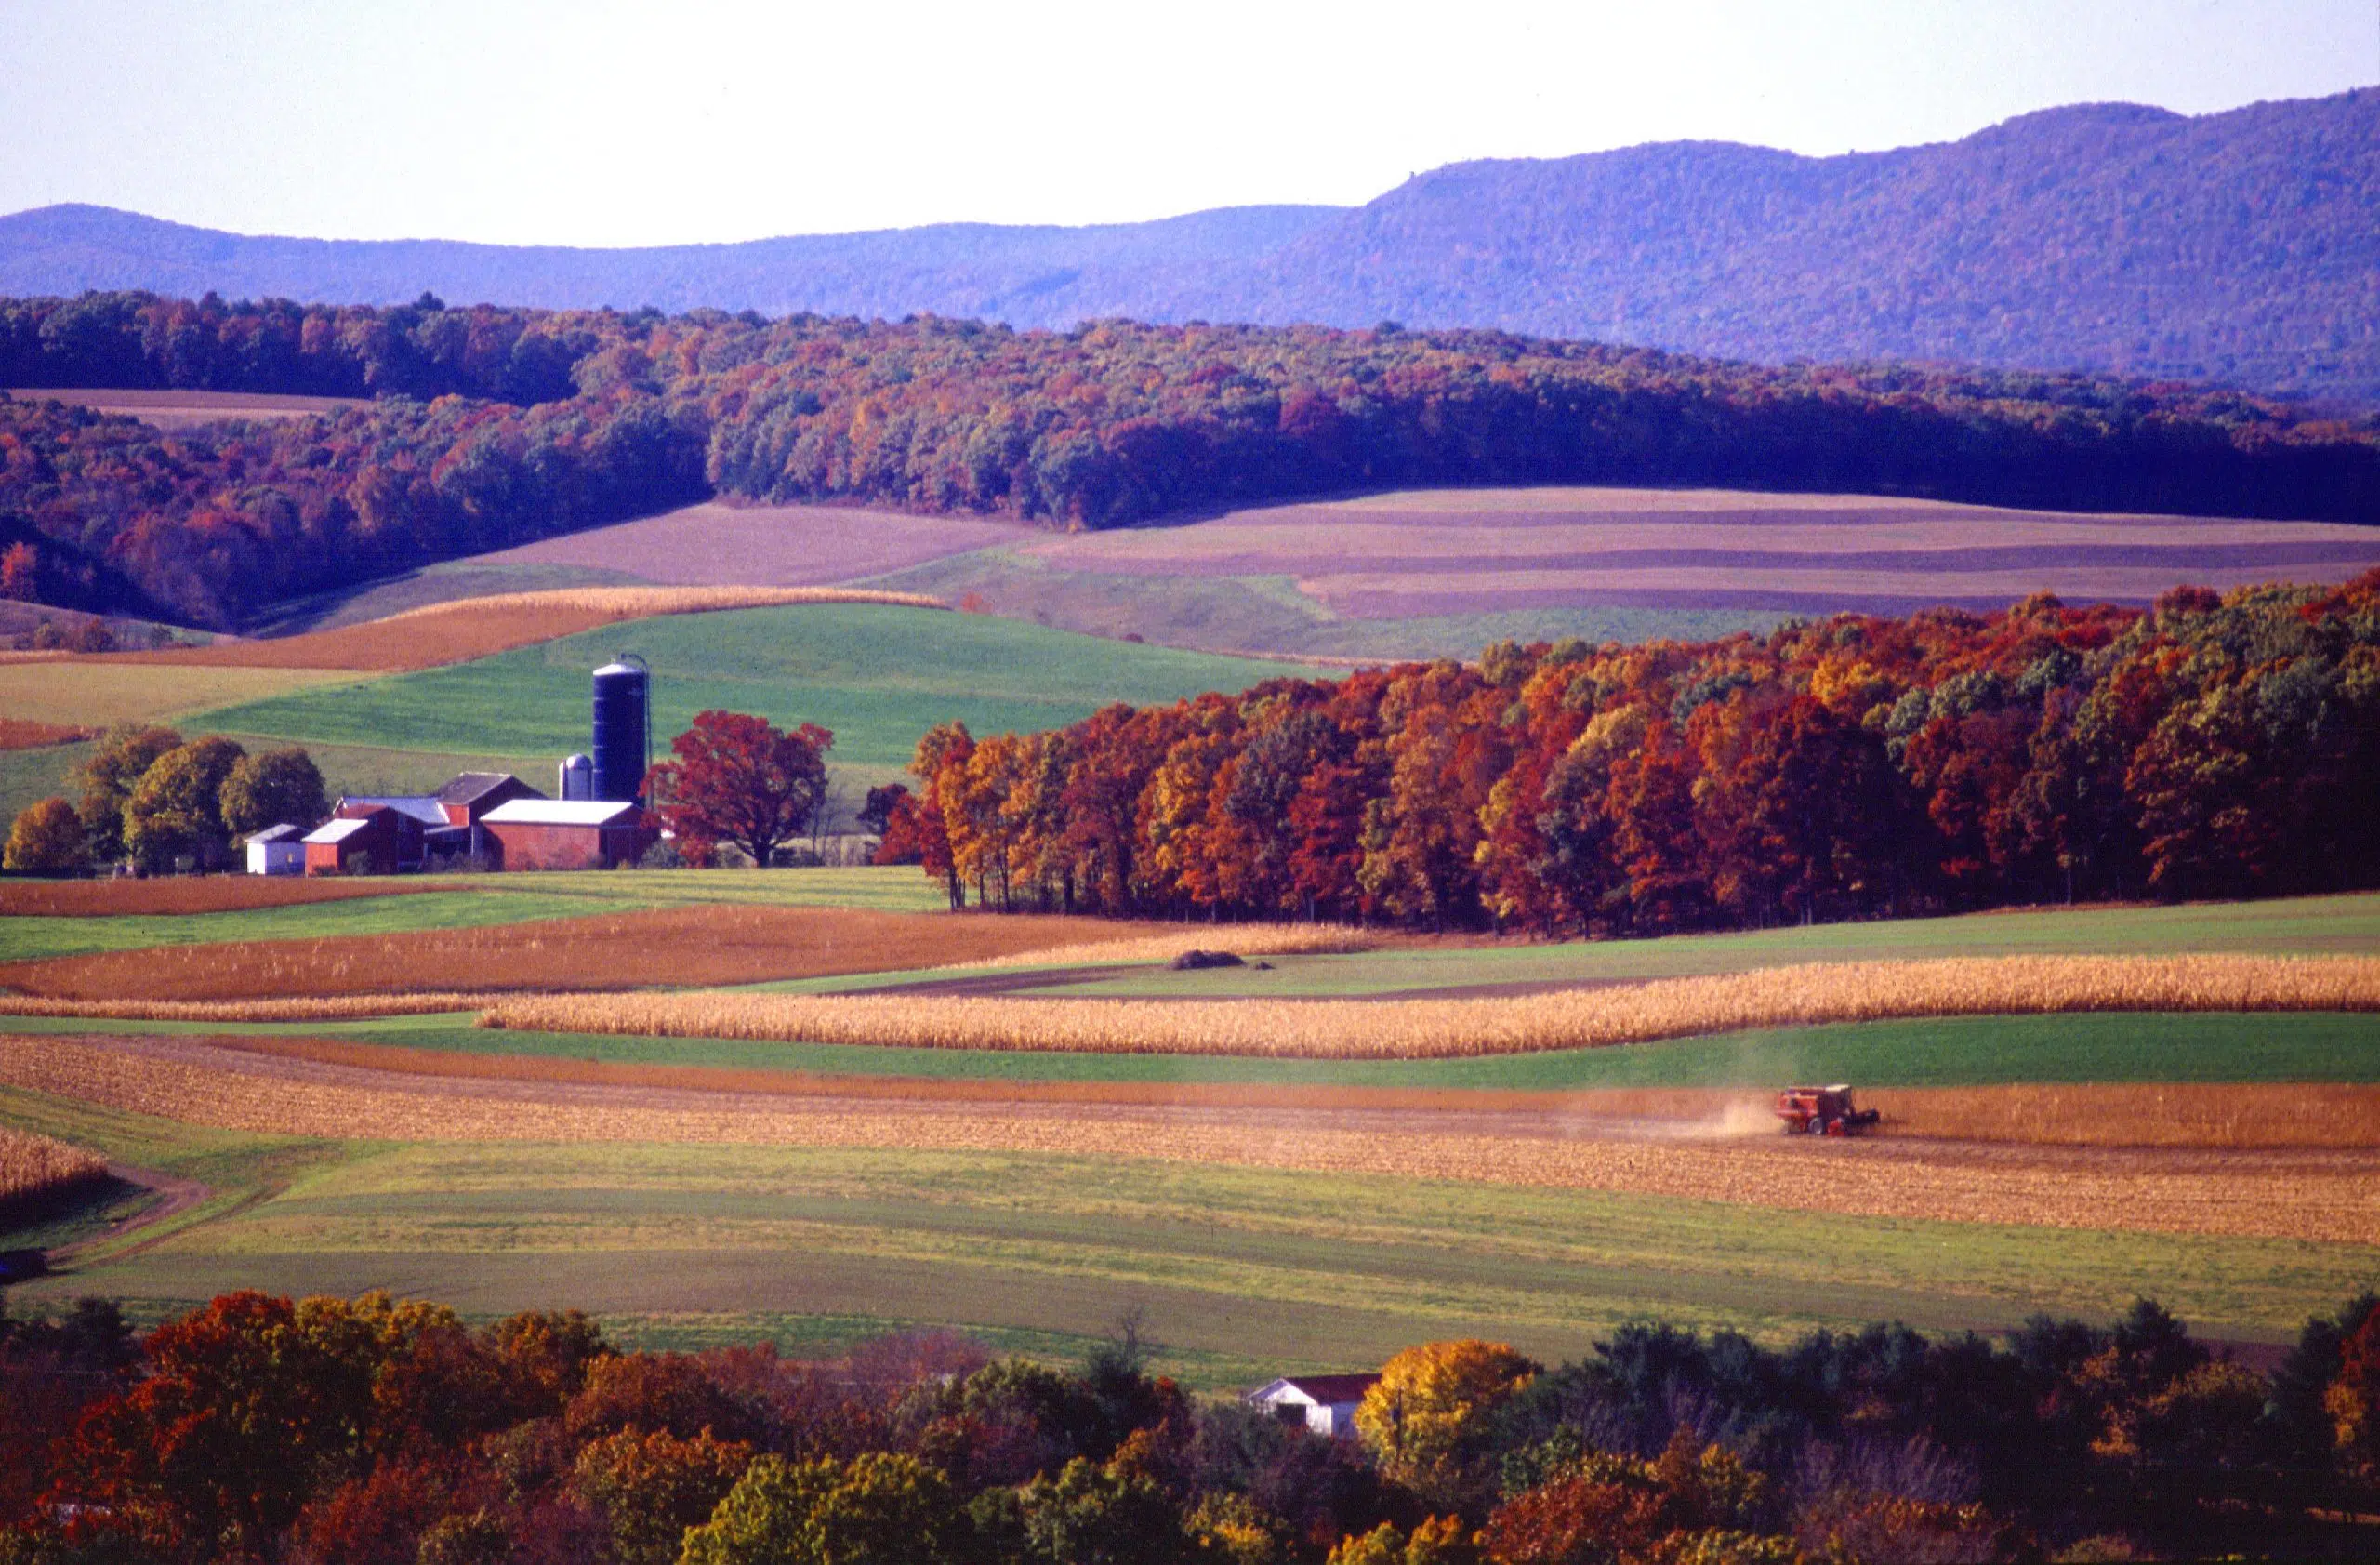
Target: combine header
(1822,1111)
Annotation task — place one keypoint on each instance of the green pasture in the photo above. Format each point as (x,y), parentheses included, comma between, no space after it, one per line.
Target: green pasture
(1242,1273)
(1945,1052)
(878,676)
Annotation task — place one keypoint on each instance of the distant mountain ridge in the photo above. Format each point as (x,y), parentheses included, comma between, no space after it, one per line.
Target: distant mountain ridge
(2242,248)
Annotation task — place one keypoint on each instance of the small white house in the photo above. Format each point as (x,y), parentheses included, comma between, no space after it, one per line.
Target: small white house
(1324,1403)
(277,850)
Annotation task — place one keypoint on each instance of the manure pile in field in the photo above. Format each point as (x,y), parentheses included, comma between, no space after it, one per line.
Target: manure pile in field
(469,628)
(1442,1028)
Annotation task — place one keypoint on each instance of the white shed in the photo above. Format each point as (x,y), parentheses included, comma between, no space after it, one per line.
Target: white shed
(1324,1403)
(277,850)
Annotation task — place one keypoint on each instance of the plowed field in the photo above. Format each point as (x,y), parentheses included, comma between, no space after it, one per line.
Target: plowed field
(185,893)
(2298,1194)
(691,945)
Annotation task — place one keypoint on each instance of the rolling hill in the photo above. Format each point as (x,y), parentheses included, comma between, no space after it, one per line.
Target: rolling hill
(2242,248)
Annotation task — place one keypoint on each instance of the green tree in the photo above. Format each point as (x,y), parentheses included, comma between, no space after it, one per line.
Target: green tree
(270,788)
(876,1509)
(178,807)
(111,773)
(46,839)
(1114,1515)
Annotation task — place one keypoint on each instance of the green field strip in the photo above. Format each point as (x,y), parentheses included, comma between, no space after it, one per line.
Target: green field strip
(1239,1266)
(1943,1051)
(23,938)
(878,676)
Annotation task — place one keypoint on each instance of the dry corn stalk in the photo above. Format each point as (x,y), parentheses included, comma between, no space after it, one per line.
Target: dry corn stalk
(1438,1029)
(34,1165)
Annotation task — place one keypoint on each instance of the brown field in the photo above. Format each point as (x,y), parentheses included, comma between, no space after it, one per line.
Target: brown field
(180,410)
(1442,1028)
(2201,1114)
(469,628)
(699,945)
(17,733)
(1467,552)
(2306,1194)
(33,1168)
(721,544)
(186,894)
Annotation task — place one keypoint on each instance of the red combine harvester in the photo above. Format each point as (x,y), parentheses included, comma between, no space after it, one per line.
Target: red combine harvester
(1822,1111)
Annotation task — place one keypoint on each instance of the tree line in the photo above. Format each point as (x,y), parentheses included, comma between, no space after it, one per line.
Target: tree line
(498,426)
(1856,767)
(160,802)
(375,1432)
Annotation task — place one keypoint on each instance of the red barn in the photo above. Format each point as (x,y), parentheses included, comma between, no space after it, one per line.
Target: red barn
(368,839)
(566,833)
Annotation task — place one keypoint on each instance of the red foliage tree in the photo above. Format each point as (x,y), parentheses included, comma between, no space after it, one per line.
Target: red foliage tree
(738,780)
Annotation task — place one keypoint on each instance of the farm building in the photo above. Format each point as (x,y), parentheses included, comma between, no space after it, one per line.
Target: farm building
(363,839)
(420,825)
(565,834)
(1324,1403)
(277,850)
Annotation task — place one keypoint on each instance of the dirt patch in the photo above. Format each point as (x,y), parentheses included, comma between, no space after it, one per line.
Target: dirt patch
(182,410)
(185,893)
(2331,1196)
(694,946)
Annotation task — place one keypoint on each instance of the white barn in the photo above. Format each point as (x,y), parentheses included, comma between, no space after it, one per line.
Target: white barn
(277,850)
(1324,1403)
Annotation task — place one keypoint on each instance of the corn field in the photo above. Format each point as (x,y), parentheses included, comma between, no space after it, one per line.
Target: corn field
(1443,1028)
(32,1167)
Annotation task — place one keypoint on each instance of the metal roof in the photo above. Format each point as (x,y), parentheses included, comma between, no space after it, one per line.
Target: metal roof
(281,833)
(336,831)
(419,806)
(561,812)
(1323,1391)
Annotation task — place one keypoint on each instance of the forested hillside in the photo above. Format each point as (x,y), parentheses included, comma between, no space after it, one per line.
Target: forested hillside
(540,422)
(2239,247)
(1852,767)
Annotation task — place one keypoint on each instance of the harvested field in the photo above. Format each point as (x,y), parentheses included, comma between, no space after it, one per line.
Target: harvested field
(181,410)
(35,1170)
(696,945)
(98,691)
(1475,551)
(189,894)
(1443,1028)
(2303,1195)
(17,733)
(2230,1115)
(469,627)
(721,544)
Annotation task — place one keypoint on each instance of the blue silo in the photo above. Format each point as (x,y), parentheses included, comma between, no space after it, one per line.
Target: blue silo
(623,728)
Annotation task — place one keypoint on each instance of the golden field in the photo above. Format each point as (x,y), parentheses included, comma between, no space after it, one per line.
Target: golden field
(32,1167)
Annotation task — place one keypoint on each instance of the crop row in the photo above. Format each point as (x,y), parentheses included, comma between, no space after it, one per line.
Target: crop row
(34,1167)
(1441,1028)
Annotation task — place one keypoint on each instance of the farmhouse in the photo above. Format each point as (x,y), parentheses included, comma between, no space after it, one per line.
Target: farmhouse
(1324,1403)
(277,850)
(372,840)
(566,833)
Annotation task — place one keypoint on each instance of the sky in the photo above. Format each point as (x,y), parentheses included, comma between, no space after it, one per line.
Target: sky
(596,123)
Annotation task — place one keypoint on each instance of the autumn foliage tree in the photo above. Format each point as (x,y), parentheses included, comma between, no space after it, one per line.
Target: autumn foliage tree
(738,779)
(46,838)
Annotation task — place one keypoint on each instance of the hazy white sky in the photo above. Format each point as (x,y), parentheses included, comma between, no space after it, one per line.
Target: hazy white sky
(598,122)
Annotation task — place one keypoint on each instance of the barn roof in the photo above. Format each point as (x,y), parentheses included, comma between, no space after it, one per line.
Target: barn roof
(338,830)
(561,812)
(419,806)
(469,786)
(281,833)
